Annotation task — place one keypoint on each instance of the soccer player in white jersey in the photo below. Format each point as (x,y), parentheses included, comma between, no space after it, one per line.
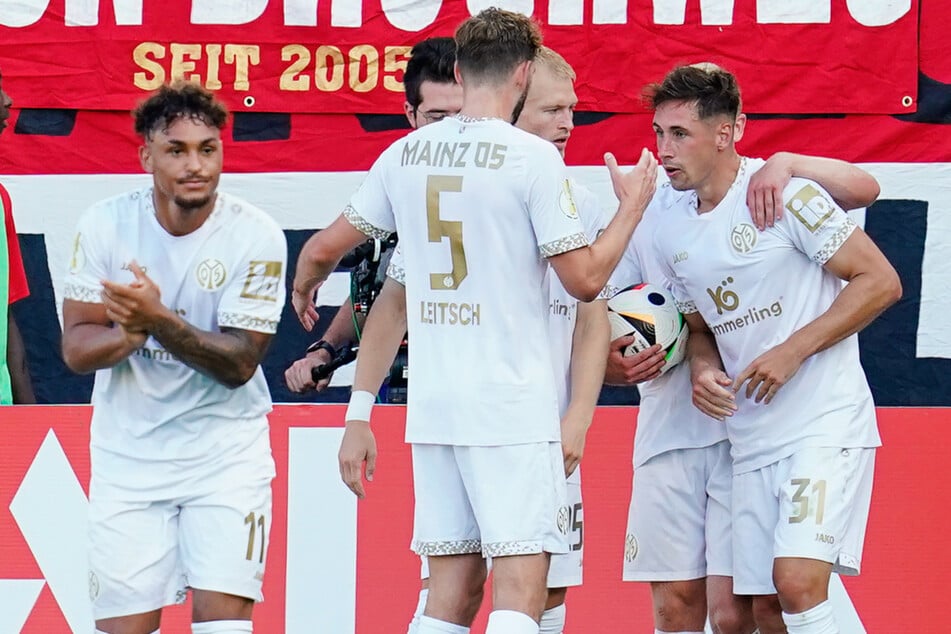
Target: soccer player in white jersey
(479,205)
(797,407)
(578,337)
(682,467)
(172,295)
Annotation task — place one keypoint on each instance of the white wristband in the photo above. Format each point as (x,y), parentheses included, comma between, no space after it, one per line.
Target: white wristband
(361,402)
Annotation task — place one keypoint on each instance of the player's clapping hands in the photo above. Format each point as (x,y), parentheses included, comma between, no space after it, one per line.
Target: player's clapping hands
(634,189)
(358,446)
(136,307)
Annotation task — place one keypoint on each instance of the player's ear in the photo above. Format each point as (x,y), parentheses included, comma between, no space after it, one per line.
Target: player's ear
(145,157)
(410,114)
(739,127)
(724,134)
(456,73)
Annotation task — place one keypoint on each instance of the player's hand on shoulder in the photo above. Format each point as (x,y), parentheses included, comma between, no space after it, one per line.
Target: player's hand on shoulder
(631,370)
(712,393)
(634,189)
(299,377)
(764,195)
(358,446)
(769,372)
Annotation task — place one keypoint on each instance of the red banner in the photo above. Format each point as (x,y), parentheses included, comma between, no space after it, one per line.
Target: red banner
(342,567)
(339,56)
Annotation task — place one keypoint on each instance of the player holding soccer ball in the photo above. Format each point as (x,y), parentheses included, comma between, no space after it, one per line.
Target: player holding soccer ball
(797,407)
(172,296)
(487,459)
(682,466)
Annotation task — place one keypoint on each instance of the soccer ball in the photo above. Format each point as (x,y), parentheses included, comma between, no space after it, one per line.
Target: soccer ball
(648,313)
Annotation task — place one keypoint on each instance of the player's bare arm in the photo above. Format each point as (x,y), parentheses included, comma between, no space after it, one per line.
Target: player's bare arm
(873,285)
(711,385)
(589,342)
(317,260)
(851,187)
(230,356)
(92,341)
(20,383)
(382,336)
(633,369)
(584,272)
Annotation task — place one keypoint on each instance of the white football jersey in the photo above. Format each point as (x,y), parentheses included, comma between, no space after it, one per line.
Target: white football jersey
(478,205)
(227,273)
(754,289)
(667,418)
(562,307)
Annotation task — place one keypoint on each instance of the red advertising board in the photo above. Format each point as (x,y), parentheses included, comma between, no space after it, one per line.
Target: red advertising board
(349,55)
(44,469)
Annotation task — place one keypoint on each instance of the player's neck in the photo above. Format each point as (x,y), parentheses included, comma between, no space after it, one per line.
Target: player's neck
(488,102)
(714,189)
(180,221)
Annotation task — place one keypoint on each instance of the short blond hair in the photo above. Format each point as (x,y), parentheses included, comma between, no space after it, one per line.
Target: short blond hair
(557,64)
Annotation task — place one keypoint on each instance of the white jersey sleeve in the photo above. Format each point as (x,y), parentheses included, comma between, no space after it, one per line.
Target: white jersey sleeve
(396,269)
(254,298)
(370,209)
(89,261)
(813,221)
(552,207)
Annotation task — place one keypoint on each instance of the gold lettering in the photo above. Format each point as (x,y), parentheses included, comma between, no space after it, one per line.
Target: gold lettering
(452,229)
(184,57)
(330,67)
(394,61)
(213,82)
(242,56)
(357,56)
(143,55)
(293,78)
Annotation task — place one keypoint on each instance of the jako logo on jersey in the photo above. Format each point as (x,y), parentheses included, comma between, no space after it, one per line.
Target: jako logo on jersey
(743,238)
(724,299)
(211,274)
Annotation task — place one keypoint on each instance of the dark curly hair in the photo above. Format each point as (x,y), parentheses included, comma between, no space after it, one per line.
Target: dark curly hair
(172,102)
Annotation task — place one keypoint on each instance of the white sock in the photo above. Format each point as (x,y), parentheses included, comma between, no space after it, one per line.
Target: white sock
(816,620)
(420,606)
(510,622)
(222,627)
(429,625)
(553,620)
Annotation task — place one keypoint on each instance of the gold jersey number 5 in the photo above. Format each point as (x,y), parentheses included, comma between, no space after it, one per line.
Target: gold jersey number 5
(439,228)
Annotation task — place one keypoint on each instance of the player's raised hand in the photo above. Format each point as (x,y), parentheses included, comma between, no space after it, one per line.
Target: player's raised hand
(303,302)
(632,369)
(712,394)
(764,195)
(634,189)
(769,372)
(358,446)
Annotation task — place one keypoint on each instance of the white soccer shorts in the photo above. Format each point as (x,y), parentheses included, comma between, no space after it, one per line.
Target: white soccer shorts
(678,525)
(145,555)
(813,504)
(566,569)
(500,501)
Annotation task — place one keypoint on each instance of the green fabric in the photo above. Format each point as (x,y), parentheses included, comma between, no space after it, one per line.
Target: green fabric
(6,390)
